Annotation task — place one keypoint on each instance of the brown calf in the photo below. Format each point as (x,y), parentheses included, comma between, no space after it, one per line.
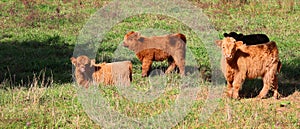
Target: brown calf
(83,70)
(116,73)
(158,48)
(86,72)
(240,62)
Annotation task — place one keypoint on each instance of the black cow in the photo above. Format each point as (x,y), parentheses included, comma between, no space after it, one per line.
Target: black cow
(251,39)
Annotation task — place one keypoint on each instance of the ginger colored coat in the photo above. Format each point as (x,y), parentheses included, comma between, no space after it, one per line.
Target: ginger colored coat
(240,62)
(158,48)
(87,72)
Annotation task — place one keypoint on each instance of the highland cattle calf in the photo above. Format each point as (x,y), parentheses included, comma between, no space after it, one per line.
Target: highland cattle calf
(88,72)
(83,70)
(240,61)
(116,73)
(251,39)
(158,48)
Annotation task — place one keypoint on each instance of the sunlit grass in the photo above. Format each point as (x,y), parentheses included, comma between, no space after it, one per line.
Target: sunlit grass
(38,38)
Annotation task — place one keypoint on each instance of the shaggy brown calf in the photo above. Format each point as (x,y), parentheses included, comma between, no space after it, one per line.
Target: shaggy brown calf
(158,48)
(86,72)
(240,62)
(116,73)
(83,70)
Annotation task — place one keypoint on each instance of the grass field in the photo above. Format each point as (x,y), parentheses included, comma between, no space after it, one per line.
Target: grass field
(38,37)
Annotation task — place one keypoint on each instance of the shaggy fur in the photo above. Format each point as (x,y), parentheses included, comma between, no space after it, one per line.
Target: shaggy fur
(240,62)
(251,39)
(83,70)
(87,72)
(158,48)
(116,73)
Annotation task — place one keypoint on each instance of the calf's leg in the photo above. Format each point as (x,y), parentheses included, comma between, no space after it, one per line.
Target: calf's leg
(275,87)
(146,67)
(229,89)
(236,88)
(267,82)
(237,83)
(172,65)
(180,62)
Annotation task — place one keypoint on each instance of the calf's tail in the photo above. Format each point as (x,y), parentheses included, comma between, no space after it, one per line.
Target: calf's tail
(279,66)
(182,37)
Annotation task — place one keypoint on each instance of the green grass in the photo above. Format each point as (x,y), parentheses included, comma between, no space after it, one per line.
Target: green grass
(42,107)
(58,106)
(37,38)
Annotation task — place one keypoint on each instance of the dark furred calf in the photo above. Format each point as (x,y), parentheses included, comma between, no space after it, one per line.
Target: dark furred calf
(251,39)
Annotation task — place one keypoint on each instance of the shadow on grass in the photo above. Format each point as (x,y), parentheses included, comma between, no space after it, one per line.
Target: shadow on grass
(204,72)
(289,81)
(22,61)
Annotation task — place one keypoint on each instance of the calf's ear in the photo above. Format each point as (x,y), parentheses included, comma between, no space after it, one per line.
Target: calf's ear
(93,62)
(129,33)
(240,36)
(226,35)
(239,43)
(134,35)
(218,43)
(138,34)
(73,60)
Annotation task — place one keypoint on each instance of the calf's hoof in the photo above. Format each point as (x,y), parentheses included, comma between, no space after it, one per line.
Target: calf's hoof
(144,75)
(276,95)
(229,95)
(260,97)
(235,96)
